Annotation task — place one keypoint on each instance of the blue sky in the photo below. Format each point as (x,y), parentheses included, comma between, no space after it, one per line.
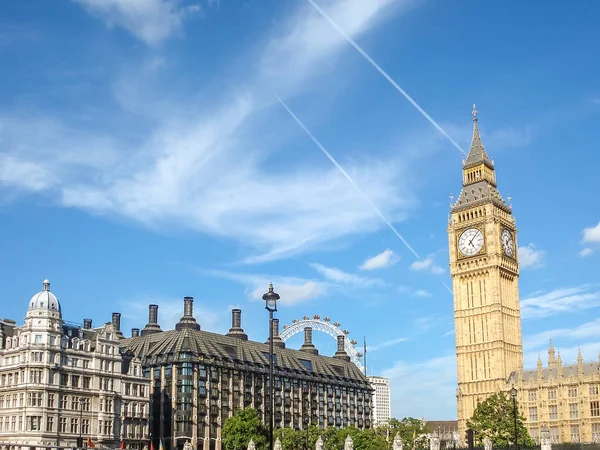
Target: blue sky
(144,157)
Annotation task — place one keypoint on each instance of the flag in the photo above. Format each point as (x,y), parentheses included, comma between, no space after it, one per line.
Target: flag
(90,444)
(122,445)
(151,446)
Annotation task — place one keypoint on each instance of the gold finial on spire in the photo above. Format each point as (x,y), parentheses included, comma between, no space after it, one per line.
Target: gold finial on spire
(474,112)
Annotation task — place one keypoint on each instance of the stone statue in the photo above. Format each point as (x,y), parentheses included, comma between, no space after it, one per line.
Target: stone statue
(348,443)
(397,444)
(487,444)
(545,439)
(251,445)
(434,443)
(319,444)
(276,445)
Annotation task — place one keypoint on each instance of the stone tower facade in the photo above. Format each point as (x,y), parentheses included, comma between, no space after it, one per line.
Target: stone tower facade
(483,264)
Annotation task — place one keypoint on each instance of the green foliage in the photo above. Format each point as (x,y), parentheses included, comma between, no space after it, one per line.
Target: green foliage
(494,418)
(410,430)
(239,429)
(246,425)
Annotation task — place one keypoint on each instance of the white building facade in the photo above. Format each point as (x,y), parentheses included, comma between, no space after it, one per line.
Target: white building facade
(382,411)
(62,382)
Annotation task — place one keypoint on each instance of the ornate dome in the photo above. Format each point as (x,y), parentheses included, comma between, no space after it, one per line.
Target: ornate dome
(44,299)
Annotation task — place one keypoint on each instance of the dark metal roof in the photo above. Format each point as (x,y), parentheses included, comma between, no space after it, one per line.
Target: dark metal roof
(480,192)
(190,344)
(477,154)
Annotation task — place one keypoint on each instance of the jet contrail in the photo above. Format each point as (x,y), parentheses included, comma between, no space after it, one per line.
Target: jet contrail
(385,75)
(353,183)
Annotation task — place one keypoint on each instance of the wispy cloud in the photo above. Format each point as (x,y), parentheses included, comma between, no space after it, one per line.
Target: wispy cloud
(427,264)
(585,252)
(531,257)
(292,290)
(385,344)
(560,301)
(591,237)
(336,275)
(151,21)
(423,324)
(414,382)
(578,335)
(384,259)
(413,292)
(209,171)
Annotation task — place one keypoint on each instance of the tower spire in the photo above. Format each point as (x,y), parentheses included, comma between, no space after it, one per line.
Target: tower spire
(477,154)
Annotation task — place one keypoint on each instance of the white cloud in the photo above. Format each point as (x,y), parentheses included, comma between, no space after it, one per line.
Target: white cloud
(422,293)
(530,257)
(577,335)
(336,275)
(385,344)
(208,172)
(291,289)
(422,324)
(585,252)
(384,259)
(427,264)
(592,234)
(414,292)
(151,21)
(560,301)
(424,389)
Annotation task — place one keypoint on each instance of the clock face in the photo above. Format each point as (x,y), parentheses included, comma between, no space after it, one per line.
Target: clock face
(470,242)
(508,244)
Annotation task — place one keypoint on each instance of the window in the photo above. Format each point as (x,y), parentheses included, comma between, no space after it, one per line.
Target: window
(64,402)
(74,425)
(595,409)
(595,432)
(33,423)
(533,414)
(86,382)
(552,394)
(594,389)
(307,364)
(35,376)
(50,401)
(38,339)
(553,412)
(573,392)
(50,423)
(574,433)
(85,426)
(573,410)
(532,396)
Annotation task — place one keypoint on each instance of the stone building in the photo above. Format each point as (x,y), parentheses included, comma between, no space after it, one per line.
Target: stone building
(382,411)
(199,379)
(485,271)
(61,381)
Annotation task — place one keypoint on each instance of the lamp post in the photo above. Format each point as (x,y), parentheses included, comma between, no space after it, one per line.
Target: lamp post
(513,394)
(80,440)
(270,299)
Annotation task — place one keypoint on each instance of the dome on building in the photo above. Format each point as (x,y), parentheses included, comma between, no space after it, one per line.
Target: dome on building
(44,299)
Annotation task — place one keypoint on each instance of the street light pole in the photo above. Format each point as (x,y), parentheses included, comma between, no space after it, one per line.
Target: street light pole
(513,394)
(270,299)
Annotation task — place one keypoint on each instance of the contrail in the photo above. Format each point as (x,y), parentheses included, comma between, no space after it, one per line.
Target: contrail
(349,178)
(385,75)
(353,183)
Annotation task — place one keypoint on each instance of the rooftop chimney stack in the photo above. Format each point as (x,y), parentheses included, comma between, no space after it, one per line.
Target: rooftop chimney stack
(308,345)
(236,329)
(152,326)
(135,332)
(341,351)
(87,324)
(188,320)
(116,321)
(277,341)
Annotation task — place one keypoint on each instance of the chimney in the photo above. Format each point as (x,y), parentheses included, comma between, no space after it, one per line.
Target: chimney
(308,345)
(116,321)
(341,351)
(277,341)
(87,324)
(135,332)
(236,329)
(188,320)
(152,326)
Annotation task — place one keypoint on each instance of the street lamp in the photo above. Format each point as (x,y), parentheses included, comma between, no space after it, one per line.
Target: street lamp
(80,439)
(270,299)
(513,394)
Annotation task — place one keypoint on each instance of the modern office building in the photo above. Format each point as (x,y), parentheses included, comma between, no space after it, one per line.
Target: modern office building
(382,411)
(199,379)
(60,382)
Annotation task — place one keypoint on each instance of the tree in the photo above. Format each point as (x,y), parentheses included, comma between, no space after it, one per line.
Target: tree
(239,429)
(494,418)
(412,431)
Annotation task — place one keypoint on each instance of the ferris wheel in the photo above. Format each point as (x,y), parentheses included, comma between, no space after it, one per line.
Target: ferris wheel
(326,326)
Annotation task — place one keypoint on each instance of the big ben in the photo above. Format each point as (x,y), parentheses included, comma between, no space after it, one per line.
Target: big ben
(485,273)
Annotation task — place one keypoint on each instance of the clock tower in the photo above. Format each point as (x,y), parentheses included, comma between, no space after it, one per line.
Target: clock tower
(483,264)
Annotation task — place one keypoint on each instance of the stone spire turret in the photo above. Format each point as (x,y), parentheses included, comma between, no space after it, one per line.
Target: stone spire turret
(559,366)
(551,356)
(540,370)
(579,362)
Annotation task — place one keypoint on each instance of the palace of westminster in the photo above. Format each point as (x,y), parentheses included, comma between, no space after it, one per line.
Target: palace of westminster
(62,382)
